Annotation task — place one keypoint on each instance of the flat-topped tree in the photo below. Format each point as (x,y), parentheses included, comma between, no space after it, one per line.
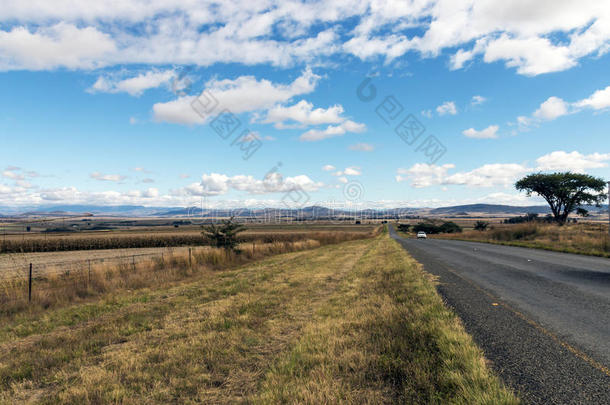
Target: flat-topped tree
(565,192)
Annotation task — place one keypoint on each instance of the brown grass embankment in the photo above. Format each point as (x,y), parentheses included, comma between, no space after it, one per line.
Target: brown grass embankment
(588,239)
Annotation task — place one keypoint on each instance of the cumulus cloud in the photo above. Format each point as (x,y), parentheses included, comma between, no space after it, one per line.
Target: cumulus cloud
(13,175)
(531,56)
(499,174)
(333,131)
(423,174)
(18,174)
(489,175)
(572,161)
(348,171)
(303,113)
(59,45)
(107,177)
(489,132)
(215,184)
(328,168)
(448,107)
(555,107)
(552,108)
(476,100)
(134,86)
(598,100)
(533,38)
(244,94)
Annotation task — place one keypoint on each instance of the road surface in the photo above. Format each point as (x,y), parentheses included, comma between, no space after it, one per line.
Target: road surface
(542,318)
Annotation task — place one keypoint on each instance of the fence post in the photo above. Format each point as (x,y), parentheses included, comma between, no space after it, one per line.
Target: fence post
(190,260)
(30,285)
(89,270)
(133,262)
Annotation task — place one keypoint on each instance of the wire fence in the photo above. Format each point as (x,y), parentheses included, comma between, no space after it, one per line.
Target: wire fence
(19,283)
(15,272)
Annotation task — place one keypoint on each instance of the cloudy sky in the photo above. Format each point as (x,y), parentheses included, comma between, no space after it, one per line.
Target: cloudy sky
(235,103)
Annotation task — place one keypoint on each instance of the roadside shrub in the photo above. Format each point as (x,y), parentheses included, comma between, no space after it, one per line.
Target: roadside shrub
(432,228)
(450,227)
(403,227)
(481,225)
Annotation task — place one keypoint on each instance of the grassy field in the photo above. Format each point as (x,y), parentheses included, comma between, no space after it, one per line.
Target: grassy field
(589,239)
(55,286)
(356,322)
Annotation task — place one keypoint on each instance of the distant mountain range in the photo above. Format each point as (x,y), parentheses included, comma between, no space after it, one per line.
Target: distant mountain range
(306,212)
(490,209)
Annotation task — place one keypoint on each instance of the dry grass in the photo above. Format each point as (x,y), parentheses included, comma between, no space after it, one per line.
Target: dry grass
(352,323)
(589,239)
(57,288)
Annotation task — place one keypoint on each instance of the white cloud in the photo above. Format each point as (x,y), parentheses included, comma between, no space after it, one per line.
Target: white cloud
(499,174)
(572,161)
(141,170)
(448,107)
(598,100)
(333,131)
(352,171)
(489,175)
(107,177)
(50,47)
(348,171)
(534,38)
(11,174)
(134,86)
(218,184)
(427,113)
(244,94)
(303,113)
(391,46)
(487,133)
(363,147)
(423,174)
(555,107)
(531,56)
(552,108)
(476,100)
(328,168)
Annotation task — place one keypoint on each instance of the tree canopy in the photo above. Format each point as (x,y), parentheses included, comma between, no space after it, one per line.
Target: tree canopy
(564,192)
(224,235)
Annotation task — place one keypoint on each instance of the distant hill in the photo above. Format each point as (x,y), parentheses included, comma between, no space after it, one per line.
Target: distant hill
(490,209)
(304,213)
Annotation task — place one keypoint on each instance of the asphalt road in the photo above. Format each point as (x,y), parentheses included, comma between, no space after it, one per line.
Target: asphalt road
(542,318)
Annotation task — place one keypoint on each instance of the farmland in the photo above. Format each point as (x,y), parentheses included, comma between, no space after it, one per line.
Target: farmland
(125,237)
(65,276)
(352,322)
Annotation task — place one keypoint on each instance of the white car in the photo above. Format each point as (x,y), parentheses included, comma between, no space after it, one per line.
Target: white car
(421,235)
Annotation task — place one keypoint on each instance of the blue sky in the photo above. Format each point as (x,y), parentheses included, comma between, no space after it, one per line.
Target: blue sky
(97,102)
